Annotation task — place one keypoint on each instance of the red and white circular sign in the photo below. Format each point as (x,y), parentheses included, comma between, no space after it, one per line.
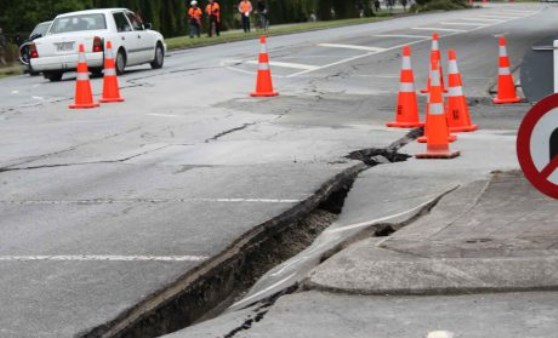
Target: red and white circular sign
(537,146)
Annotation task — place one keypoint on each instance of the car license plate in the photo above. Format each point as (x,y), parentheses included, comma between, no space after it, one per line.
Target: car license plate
(65,46)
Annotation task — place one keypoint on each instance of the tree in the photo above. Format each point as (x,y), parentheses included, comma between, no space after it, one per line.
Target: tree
(168,16)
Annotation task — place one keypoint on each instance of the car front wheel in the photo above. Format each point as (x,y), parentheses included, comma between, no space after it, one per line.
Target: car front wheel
(159,57)
(54,76)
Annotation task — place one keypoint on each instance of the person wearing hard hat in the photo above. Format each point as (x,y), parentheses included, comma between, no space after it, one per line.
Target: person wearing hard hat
(194,18)
(245,9)
(213,11)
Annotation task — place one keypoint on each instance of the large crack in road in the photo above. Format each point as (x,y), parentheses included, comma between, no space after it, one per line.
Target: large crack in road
(224,279)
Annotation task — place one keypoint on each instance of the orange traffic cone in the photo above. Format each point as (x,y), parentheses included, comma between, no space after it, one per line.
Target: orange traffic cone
(111,92)
(458,112)
(406,114)
(83,95)
(264,85)
(423,139)
(506,86)
(436,129)
(435,54)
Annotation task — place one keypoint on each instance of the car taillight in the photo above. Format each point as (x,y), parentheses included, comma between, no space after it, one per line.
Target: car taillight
(33,54)
(97,44)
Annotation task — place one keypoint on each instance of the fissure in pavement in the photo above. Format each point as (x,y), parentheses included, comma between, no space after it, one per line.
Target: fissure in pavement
(212,287)
(209,289)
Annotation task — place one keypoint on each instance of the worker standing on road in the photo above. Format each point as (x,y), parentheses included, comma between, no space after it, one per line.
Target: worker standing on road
(213,11)
(404,4)
(245,9)
(194,18)
(360,7)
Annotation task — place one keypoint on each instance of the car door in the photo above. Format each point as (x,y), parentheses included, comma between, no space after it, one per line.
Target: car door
(128,37)
(145,40)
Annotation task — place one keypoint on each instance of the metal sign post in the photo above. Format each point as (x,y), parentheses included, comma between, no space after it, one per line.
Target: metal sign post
(537,78)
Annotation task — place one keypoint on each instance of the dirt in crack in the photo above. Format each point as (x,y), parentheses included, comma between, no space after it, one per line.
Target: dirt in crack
(374,156)
(210,289)
(258,314)
(390,154)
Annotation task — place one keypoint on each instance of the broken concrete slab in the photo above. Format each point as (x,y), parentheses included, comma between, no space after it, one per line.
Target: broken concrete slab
(331,315)
(471,241)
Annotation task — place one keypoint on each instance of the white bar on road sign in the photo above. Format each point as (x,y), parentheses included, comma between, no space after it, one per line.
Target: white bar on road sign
(540,142)
(556,66)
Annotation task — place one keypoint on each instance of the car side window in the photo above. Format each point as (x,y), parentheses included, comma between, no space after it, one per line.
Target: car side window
(122,24)
(136,22)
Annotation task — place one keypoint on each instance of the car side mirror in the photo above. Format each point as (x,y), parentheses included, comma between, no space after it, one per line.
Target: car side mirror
(147,25)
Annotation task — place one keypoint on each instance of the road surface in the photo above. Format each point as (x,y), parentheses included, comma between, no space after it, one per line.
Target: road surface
(110,213)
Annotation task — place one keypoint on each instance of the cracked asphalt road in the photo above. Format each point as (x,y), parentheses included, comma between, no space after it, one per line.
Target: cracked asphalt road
(189,164)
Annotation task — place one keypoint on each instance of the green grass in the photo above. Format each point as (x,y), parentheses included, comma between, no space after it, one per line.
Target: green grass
(183,42)
(231,36)
(11,70)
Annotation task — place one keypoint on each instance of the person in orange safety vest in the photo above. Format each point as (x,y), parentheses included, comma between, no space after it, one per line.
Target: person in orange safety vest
(245,9)
(213,11)
(194,19)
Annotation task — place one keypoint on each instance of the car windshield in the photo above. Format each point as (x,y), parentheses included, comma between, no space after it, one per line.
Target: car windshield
(76,23)
(41,29)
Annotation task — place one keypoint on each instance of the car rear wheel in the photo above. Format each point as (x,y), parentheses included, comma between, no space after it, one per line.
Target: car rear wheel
(120,62)
(32,72)
(159,57)
(54,76)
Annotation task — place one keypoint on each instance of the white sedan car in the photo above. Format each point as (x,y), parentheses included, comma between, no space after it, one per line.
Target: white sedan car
(133,43)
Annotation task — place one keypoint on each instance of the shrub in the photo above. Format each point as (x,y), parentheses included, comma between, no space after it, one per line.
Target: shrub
(444,5)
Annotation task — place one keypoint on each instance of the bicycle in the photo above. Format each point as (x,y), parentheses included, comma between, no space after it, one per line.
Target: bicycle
(262,23)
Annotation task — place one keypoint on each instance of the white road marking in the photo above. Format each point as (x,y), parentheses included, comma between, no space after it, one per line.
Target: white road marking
(499,17)
(150,200)
(96,258)
(38,98)
(490,21)
(287,65)
(465,23)
(238,70)
(355,58)
(440,334)
(163,115)
(338,63)
(439,29)
(527,11)
(514,12)
(14,92)
(248,200)
(409,36)
(455,32)
(366,48)
(231,62)
(381,76)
